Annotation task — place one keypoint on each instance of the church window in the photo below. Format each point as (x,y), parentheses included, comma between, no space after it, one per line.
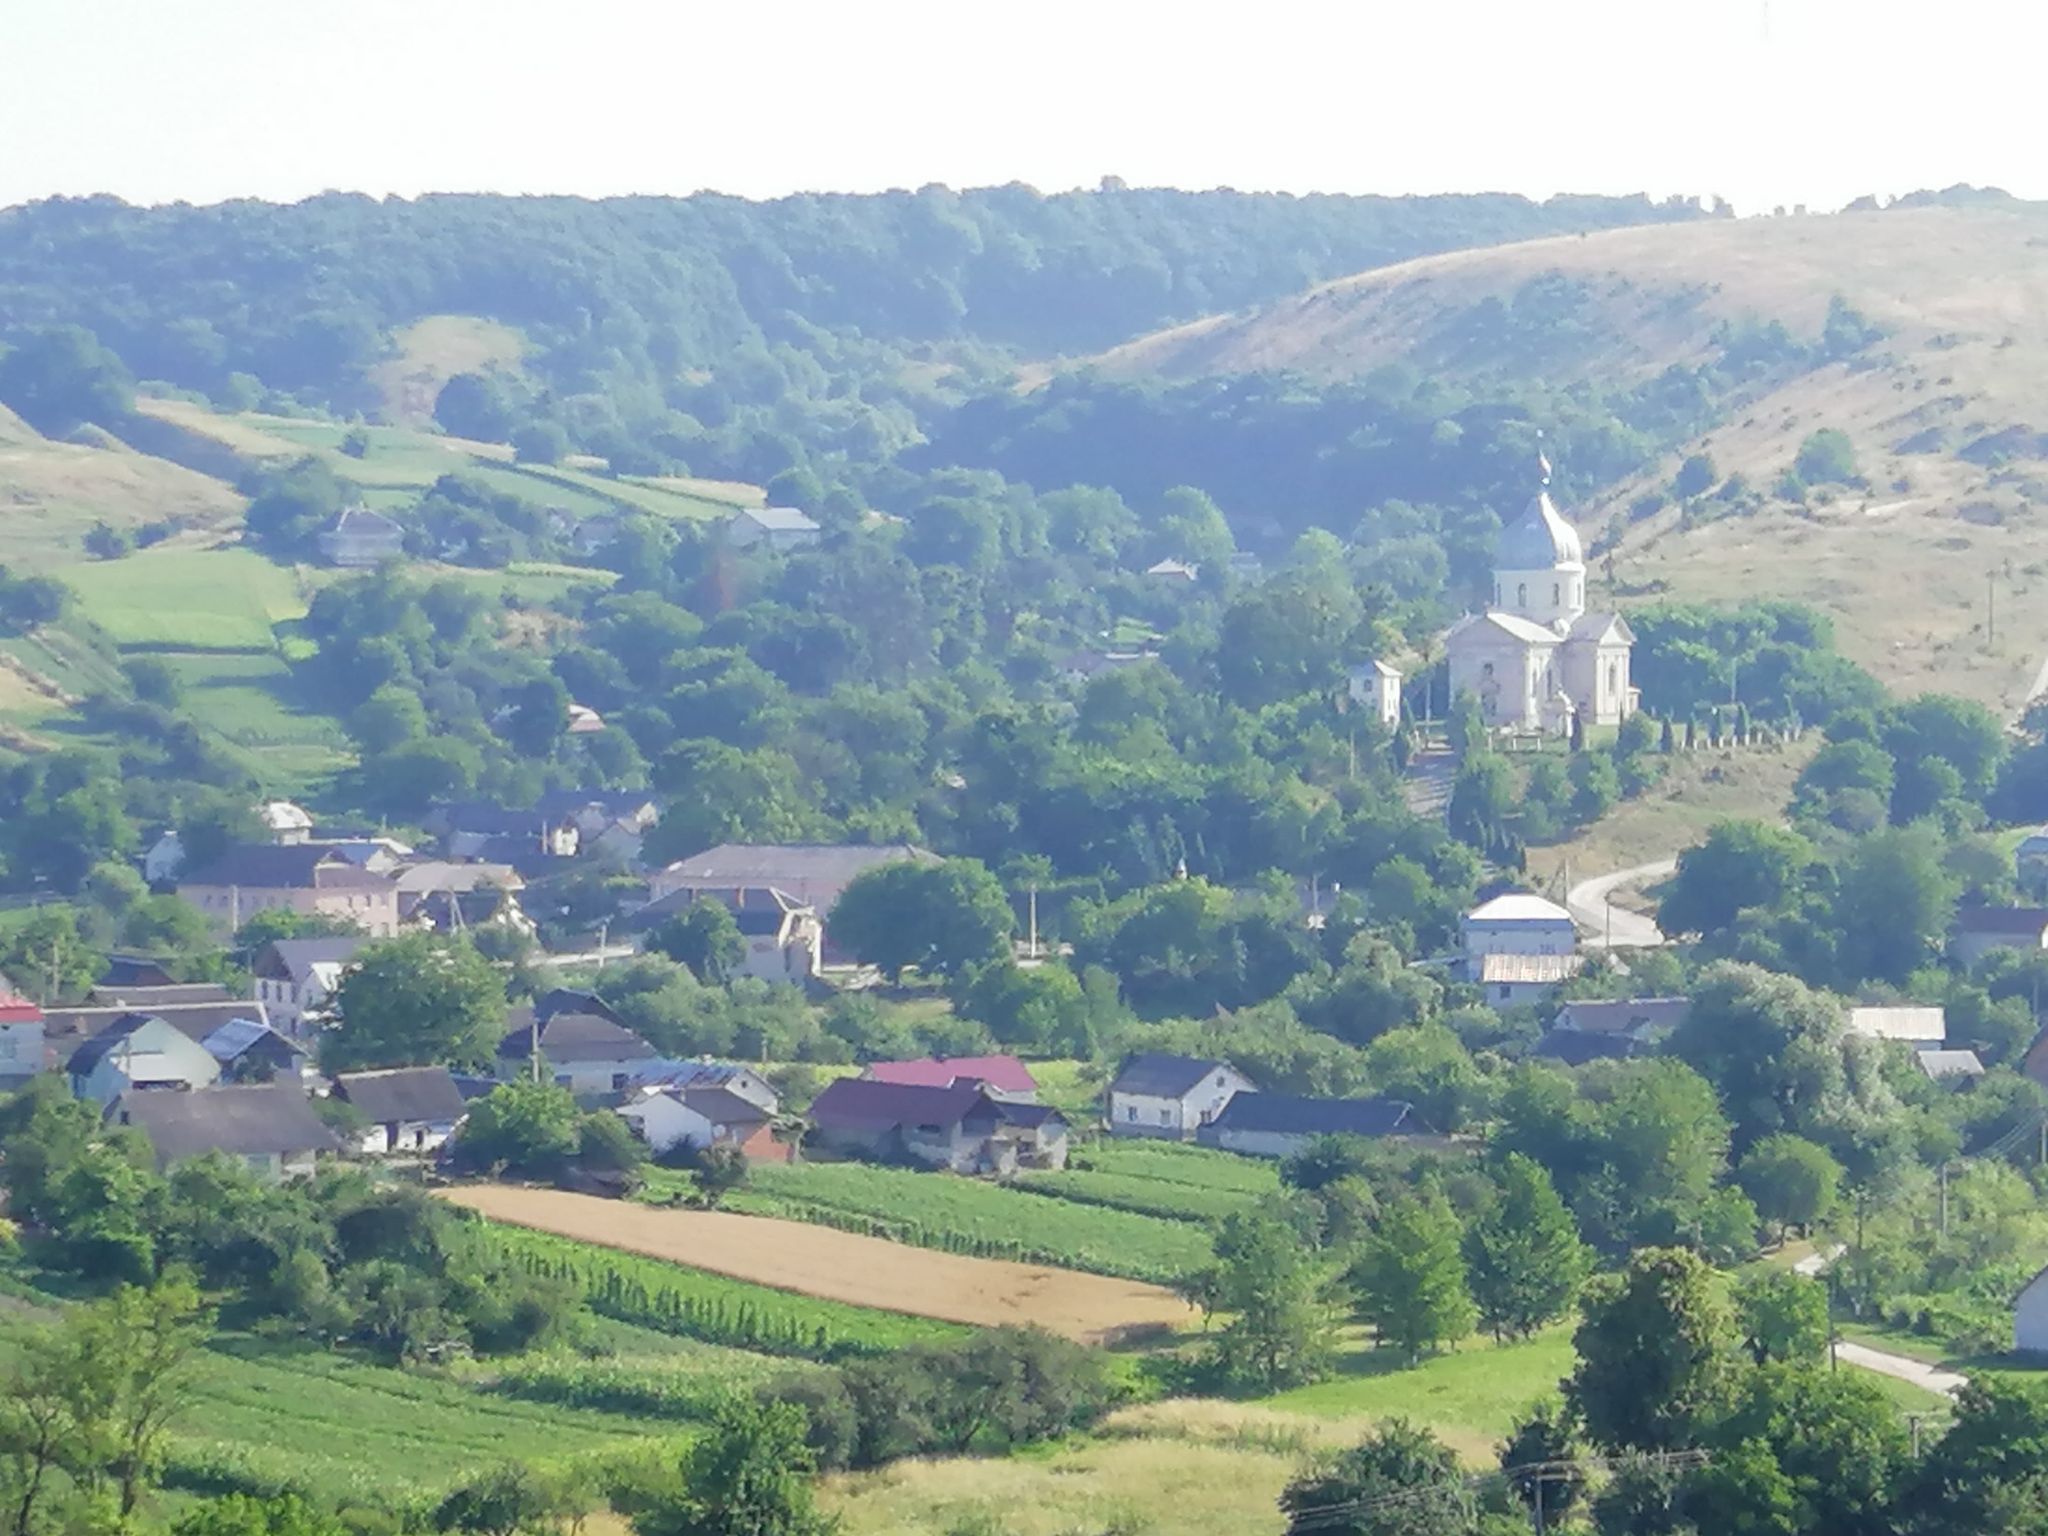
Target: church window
(1576,596)
(1556,594)
(1522,594)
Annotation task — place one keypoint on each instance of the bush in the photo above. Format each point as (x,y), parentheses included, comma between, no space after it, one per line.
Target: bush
(540,442)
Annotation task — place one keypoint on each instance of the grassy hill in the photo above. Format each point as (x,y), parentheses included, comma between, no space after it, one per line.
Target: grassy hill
(1945,411)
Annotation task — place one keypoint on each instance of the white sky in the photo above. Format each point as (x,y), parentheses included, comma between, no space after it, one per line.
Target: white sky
(1761,101)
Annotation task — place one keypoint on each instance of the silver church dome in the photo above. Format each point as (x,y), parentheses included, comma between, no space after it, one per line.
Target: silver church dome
(1538,540)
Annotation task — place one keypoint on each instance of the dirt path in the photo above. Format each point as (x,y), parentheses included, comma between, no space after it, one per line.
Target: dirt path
(1587,902)
(841,1266)
(1929,1378)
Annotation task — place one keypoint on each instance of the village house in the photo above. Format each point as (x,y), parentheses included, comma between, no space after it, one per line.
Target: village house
(1920,1028)
(304,878)
(1171,1097)
(405,1109)
(271,1129)
(1592,1029)
(2030,865)
(21,1039)
(1377,687)
(163,858)
(1281,1124)
(379,855)
(295,977)
(355,537)
(1002,1077)
(1980,930)
(779,529)
(471,829)
(811,874)
(285,822)
(449,894)
(2030,1317)
(704,1117)
(959,1128)
(741,1081)
(1524,981)
(1519,948)
(583,1052)
(1174,572)
(783,938)
(139,1052)
(250,1051)
(66,1029)
(1943,1064)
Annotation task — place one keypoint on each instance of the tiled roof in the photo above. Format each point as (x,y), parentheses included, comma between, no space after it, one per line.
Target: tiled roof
(790,866)
(577,1037)
(1899,1023)
(2020,922)
(861,1104)
(1518,907)
(1005,1074)
(291,866)
(1602,1016)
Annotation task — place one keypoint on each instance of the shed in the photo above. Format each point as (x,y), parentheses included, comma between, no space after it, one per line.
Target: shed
(407,1109)
(270,1127)
(1281,1124)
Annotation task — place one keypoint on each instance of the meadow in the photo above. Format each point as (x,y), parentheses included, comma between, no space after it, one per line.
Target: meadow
(958,1215)
(178,598)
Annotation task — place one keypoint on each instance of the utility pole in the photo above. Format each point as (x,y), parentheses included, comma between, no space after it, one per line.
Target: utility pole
(1032,905)
(1944,1201)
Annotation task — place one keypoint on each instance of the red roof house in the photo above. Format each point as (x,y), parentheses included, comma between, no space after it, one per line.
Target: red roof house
(1004,1076)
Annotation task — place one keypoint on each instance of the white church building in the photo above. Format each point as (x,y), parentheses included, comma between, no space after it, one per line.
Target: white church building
(1536,659)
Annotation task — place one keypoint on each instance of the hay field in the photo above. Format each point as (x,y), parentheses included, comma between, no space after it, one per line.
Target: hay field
(841,1266)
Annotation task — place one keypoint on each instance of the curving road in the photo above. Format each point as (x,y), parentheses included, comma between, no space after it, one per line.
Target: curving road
(1587,903)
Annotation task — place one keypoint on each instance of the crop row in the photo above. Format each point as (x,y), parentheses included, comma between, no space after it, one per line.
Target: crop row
(1174,1163)
(1146,1197)
(969,1216)
(693,1303)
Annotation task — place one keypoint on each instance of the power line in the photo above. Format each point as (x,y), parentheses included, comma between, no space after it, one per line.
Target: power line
(1316,1517)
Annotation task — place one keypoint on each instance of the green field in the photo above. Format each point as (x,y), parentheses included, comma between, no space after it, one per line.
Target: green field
(183,599)
(1173,1162)
(1476,1392)
(960,1215)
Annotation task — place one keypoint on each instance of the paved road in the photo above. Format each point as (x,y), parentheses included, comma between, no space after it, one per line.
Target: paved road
(1930,1378)
(1587,903)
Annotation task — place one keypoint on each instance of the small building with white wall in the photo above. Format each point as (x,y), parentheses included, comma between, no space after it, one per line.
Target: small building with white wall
(1518,923)
(1919,1027)
(1377,686)
(1171,1097)
(2030,1317)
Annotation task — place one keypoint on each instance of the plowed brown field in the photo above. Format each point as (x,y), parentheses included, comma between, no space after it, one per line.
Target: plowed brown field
(842,1266)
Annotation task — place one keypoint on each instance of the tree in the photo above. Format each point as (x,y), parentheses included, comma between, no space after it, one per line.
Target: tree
(103,541)
(747,1474)
(60,377)
(1410,1277)
(941,918)
(240,1514)
(1782,1316)
(705,937)
(48,956)
(720,1170)
(1896,903)
(499,1501)
(135,1349)
(1664,1143)
(1985,1475)
(1741,864)
(1793,1181)
(1399,1481)
(1524,1259)
(1654,1350)
(1769,1044)
(1834,1435)
(475,405)
(1546,1437)
(1695,477)
(1826,455)
(1741,1492)
(416,1000)
(1429,1067)
(526,1127)
(540,442)
(1280,1333)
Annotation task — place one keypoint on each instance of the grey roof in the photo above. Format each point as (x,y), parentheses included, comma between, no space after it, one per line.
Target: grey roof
(236,1038)
(791,866)
(2022,922)
(722,1106)
(663,1072)
(273,1118)
(107,994)
(1946,1063)
(1596,624)
(1600,1016)
(287,866)
(363,522)
(1160,1076)
(778,519)
(295,958)
(1537,539)
(575,1037)
(402,1094)
(103,1043)
(1287,1114)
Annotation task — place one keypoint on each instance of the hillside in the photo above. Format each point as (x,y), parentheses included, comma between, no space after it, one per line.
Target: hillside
(1944,410)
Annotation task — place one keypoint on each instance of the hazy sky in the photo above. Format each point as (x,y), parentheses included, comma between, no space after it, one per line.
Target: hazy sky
(1761,101)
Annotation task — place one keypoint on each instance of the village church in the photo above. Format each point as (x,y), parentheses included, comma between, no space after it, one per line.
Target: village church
(1536,660)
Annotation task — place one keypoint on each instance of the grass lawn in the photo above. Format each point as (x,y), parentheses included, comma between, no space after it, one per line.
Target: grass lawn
(1471,1397)
(184,599)
(244,698)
